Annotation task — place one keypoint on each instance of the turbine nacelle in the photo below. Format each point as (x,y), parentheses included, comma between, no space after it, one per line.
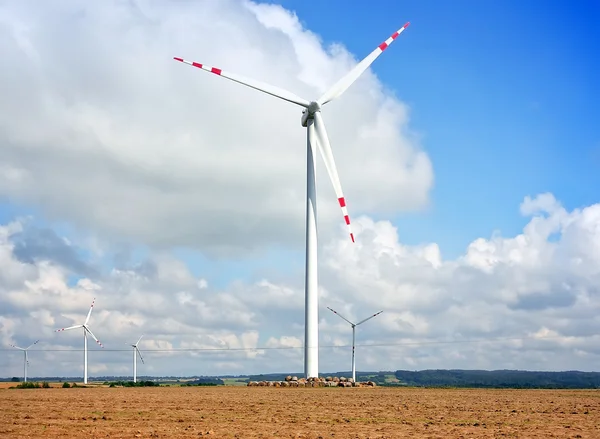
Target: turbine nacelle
(304,118)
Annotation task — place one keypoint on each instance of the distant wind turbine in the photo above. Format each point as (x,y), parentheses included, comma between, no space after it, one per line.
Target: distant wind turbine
(86,330)
(354,325)
(135,349)
(25,359)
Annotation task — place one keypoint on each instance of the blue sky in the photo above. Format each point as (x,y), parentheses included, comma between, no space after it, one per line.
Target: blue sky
(505,95)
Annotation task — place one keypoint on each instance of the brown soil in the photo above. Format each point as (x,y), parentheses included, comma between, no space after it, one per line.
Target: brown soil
(264,412)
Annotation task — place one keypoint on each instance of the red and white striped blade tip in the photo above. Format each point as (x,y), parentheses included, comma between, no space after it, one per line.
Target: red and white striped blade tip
(387,42)
(214,70)
(342,202)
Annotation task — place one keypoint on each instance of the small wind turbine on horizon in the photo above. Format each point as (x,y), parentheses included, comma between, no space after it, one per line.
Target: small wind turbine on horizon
(25,358)
(86,330)
(135,349)
(312,120)
(354,325)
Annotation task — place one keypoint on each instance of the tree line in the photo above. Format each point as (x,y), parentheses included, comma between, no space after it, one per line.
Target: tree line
(499,379)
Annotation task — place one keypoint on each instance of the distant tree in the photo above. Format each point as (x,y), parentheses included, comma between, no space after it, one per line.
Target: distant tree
(15,379)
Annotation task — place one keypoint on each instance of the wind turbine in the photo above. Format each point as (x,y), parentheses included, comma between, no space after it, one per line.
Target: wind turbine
(354,325)
(316,136)
(135,348)
(86,330)
(25,359)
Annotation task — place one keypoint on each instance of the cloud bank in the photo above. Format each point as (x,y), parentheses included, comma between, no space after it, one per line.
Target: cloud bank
(530,302)
(104,129)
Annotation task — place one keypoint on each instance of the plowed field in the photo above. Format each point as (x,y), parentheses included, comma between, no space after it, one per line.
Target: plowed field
(263,412)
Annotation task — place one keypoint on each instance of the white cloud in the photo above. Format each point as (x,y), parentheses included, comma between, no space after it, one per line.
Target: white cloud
(285,341)
(535,307)
(102,128)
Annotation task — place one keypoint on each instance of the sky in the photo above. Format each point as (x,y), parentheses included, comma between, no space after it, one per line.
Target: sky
(468,154)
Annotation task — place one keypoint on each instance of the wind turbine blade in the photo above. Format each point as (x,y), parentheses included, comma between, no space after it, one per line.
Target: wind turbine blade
(136,343)
(257,85)
(70,327)
(17,347)
(35,342)
(140,354)
(340,87)
(93,336)
(327,154)
(90,312)
(368,318)
(335,312)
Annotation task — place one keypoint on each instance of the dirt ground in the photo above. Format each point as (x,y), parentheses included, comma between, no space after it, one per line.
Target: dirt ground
(264,412)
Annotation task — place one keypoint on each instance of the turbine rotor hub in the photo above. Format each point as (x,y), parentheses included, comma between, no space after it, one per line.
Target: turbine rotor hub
(313,107)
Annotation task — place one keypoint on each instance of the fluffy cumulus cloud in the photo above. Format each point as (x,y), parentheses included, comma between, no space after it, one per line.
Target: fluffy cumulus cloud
(530,301)
(103,128)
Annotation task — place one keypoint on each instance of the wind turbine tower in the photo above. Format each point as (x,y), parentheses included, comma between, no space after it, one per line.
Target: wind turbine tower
(354,325)
(25,359)
(86,330)
(312,120)
(136,350)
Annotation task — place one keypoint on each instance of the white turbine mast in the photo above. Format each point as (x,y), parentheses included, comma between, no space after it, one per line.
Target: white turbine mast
(25,358)
(135,349)
(354,325)
(86,330)
(316,137)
